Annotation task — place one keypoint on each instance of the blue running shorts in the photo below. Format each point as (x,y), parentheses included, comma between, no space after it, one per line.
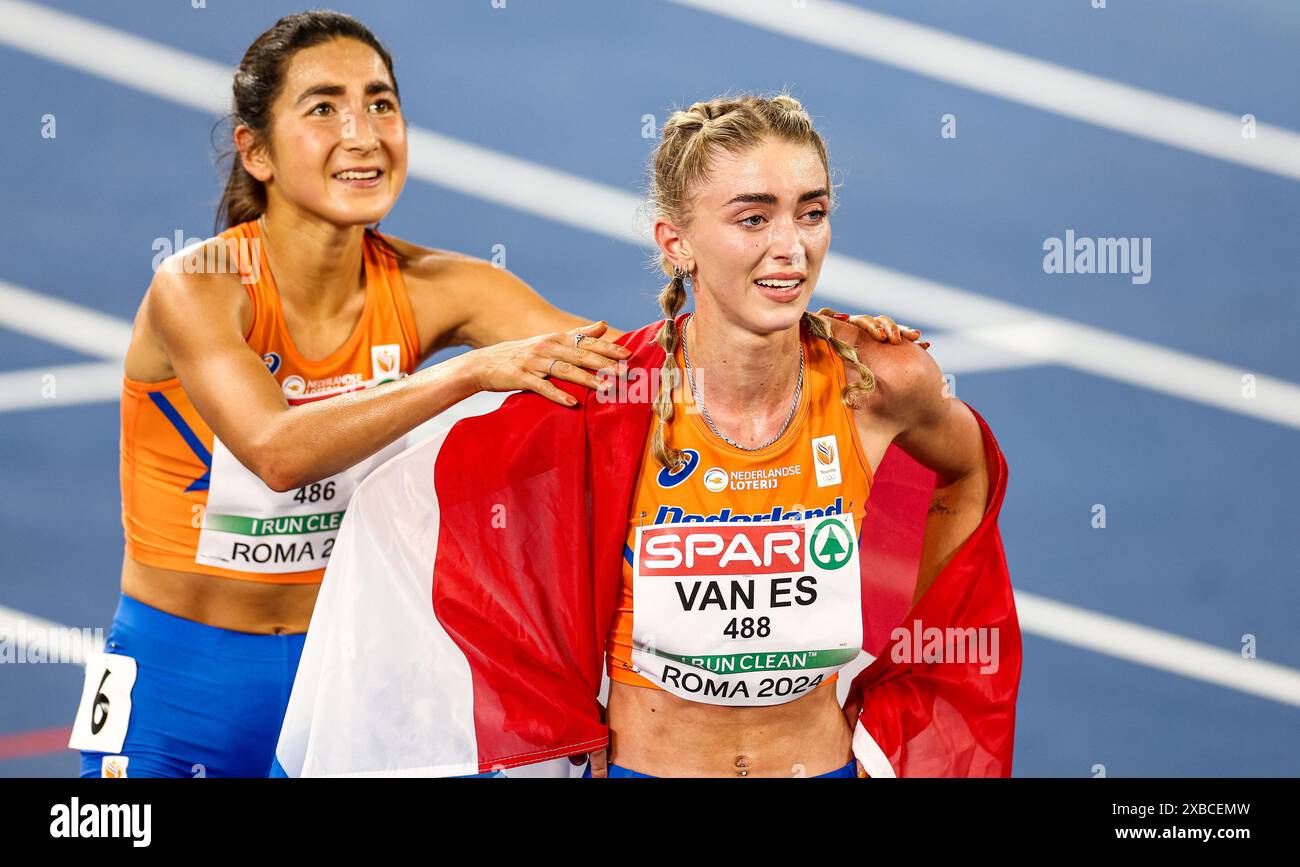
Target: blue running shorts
(206,702)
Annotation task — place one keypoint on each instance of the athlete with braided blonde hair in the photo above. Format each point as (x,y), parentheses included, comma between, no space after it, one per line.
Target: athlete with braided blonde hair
(259,394)
(769,426)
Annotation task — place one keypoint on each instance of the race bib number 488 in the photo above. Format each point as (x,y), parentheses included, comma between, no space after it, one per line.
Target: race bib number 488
(746,614)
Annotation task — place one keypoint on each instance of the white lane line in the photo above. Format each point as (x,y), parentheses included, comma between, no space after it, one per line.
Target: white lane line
(202,84)
(956,353)
(106,52)
(1046,339)
(1046,618)
(506,180)
(60,385)
(62,322)
(1154,648)
(101,382)
(1019,78)
(611,212)
(28,636)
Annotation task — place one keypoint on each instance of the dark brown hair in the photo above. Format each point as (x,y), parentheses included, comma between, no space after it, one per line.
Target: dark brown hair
(257,83)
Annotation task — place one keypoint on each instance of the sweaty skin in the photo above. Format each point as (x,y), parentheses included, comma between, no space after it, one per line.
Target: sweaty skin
(452,297)
(337,110)
(656,732)
(764,212)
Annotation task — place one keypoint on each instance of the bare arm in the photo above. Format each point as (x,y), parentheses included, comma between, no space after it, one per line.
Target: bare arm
(940,432)
(956,510)
(459,300)
(912,408)
(504,307)
(229,385)
(454,296)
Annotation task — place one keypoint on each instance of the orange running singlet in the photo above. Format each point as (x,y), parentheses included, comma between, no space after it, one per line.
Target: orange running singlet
(189,505)
(741,582)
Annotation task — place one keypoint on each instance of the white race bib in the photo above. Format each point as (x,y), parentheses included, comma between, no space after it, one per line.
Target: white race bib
(251,528)
(105,707)
(746,613)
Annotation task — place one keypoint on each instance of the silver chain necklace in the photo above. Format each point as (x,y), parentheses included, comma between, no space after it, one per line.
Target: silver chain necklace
(704,411)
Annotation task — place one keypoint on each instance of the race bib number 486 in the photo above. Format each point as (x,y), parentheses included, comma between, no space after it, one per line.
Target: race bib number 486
(746,614)
(251,528)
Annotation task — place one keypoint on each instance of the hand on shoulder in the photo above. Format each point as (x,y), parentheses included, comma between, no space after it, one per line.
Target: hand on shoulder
(909,386)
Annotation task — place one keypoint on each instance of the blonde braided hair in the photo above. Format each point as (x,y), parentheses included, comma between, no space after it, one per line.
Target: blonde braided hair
(681,162)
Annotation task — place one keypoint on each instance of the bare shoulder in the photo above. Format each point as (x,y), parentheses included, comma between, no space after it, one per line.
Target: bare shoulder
(429,268)
(429,263)
(186,285)
(449,290)
(909,383)
(464,300)
(187,302)
(911,407)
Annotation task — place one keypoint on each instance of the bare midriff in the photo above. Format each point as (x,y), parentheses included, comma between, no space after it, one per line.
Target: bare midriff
(655,732)
(227,603)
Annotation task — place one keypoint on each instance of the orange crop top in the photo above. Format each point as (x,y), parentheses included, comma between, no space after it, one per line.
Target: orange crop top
(189,505)
(741,580)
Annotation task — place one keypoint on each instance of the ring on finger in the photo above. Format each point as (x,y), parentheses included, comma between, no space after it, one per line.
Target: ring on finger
(550,368)
(578,338)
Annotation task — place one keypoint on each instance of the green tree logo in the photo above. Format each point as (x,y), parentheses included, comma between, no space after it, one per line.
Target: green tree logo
(830,545)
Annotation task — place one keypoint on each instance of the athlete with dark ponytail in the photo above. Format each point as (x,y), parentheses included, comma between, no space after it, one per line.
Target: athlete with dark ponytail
(269,370)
